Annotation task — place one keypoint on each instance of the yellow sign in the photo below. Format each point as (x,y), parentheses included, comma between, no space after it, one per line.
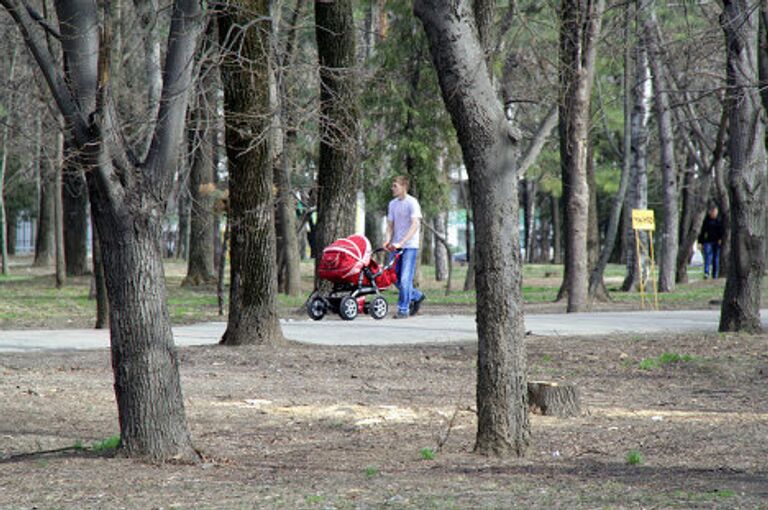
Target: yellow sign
(642,219)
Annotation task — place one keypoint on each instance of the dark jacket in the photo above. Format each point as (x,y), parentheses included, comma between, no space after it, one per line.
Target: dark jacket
(711,230)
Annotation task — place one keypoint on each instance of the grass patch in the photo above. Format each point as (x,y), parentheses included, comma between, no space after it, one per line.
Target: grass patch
(634,458)
(427,454)
(370,472)
(109,444)
(667,358)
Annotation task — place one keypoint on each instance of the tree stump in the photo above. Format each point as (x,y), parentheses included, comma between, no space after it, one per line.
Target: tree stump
(554,399)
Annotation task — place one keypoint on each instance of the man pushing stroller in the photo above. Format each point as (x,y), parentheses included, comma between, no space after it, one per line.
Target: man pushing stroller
(403,229)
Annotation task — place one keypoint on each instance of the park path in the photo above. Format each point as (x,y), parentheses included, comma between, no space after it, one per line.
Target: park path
(366,331)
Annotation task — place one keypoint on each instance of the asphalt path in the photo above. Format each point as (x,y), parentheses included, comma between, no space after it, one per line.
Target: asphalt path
(366,331)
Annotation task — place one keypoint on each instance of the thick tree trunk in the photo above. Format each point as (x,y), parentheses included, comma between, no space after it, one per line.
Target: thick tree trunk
(253,275)
(337,167)
(127,198)
(747,177)
(144,359)
(669,231)
(490,156)
(580,28)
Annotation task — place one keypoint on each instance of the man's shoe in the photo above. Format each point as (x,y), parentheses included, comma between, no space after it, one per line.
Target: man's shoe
(401,315)
(417,304)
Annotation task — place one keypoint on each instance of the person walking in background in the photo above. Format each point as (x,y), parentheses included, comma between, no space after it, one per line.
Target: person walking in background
(710,239)
(403,229)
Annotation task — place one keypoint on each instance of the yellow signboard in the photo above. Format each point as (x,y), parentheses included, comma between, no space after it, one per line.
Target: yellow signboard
(642,219)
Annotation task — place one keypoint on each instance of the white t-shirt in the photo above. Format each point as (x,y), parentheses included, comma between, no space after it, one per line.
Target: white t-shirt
(401,213)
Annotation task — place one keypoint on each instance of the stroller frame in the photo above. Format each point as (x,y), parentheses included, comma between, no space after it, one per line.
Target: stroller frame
(348,299)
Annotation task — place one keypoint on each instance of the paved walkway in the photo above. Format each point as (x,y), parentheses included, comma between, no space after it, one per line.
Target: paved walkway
(366,331)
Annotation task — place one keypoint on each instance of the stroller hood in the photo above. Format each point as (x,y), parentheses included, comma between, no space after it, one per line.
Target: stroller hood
(343,259)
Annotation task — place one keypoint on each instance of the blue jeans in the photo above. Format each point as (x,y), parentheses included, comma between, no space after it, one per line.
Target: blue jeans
(405,268)
(711,258)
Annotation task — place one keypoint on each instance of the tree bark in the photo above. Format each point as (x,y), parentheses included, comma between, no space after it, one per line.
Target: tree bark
(337,167)
(669,231)
(99,284)
(75,202)
(638,191)
(3,166)
(290,274)
(490,155)
(200,260)
(183,207)
(45,240)
(245,72)
(747,180)
(580,28)
(614,219)
(127,199)
(441,252)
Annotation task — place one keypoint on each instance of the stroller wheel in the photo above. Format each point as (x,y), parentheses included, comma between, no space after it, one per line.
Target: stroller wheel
(316,308)
(348,308)
(378,308)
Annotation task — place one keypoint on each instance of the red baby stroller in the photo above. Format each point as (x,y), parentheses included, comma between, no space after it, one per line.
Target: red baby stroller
(349,265)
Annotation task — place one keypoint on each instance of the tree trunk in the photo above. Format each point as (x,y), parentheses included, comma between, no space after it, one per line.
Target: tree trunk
(725,213)
(747,179)
(127,198)
(61,267)
(580,28)
(3,167)
(695,195)
(184,207)
(614,220)
(490,155)
(557,229)
(669,231)
(75,201)
(290,276)
(200,263)
(593,231)
(253,275)
(529,215)
(45,247)
(441,253)
(286,220)
(144,358)
(99,284)
(337,167)
(638,191)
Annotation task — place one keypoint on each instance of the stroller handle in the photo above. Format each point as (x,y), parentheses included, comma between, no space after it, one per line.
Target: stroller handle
(388,264)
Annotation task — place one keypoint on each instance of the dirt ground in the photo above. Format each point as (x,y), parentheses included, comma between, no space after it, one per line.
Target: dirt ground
(345,428)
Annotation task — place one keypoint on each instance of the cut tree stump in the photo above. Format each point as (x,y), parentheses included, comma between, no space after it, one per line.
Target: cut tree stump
(554,399)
